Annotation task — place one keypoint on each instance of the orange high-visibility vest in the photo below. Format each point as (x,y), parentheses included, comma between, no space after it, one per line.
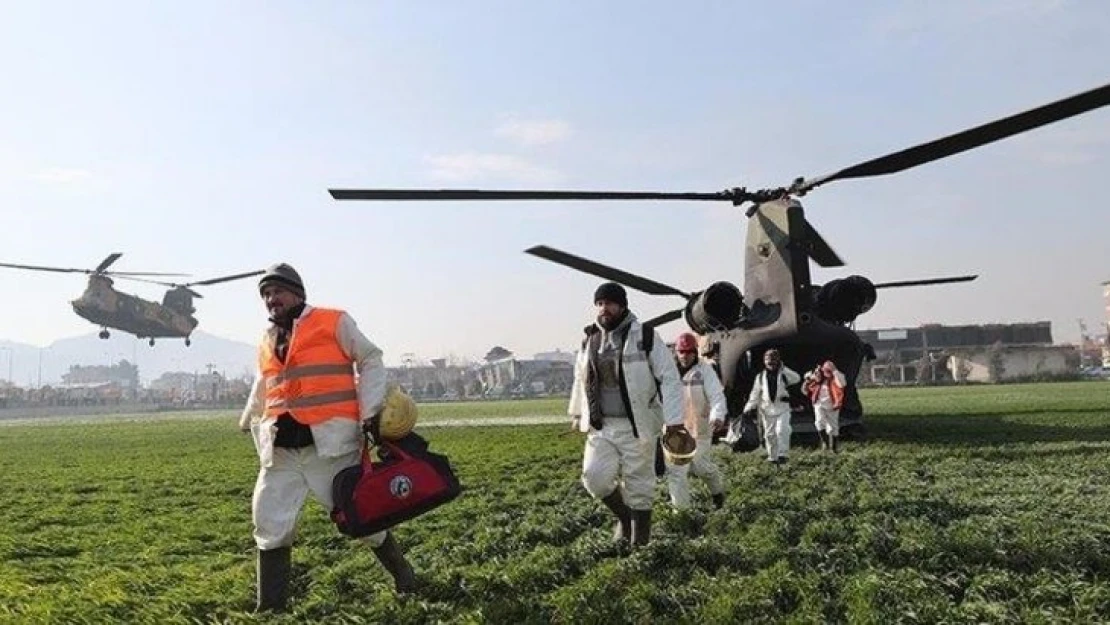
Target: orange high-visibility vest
(317,381)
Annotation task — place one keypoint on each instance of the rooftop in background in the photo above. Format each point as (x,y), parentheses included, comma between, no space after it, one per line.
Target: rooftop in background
(941,336)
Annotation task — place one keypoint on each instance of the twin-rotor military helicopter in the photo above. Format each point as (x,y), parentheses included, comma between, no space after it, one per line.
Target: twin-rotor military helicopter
(103,305)
(779,307)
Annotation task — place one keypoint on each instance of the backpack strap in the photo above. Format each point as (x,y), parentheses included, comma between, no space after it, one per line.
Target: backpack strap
(647,342)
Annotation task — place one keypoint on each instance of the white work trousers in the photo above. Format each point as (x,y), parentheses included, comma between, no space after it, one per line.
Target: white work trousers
(776,433)
(281,489)
(702,466)
(826,418)
(614,457)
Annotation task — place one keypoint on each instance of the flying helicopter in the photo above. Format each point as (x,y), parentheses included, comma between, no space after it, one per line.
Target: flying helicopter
(103,305)
(779,306)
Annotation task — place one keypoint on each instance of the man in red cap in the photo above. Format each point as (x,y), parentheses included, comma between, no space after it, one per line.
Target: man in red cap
(705,410)
(623,396)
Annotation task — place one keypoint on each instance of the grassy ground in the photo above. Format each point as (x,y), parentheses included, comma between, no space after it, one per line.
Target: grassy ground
(974,504)
(430,412)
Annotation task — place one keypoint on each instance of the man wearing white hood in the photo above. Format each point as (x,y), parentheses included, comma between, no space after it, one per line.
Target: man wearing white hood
(622,396)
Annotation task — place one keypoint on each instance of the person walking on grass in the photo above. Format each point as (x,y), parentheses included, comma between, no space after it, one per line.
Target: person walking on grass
(623,395)
(770,399)
(705,410)
(307,412)
(825,388)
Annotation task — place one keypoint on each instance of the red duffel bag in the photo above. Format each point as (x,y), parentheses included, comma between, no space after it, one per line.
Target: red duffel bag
(407,482)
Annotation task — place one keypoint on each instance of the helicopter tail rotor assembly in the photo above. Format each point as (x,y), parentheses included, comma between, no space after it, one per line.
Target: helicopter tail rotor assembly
(721,304)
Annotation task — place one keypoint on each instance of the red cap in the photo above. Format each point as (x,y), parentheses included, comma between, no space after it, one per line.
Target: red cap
(686,343)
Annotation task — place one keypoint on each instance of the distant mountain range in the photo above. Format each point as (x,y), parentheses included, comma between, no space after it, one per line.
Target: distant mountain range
(20,362)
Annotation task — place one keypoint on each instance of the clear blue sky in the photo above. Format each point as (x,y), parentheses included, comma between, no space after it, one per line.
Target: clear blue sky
(201,137)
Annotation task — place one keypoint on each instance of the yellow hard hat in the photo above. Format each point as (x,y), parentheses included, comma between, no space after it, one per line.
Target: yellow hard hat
(679,447)
(398,415)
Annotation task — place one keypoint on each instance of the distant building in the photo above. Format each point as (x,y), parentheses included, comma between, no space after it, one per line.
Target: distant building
(557,355)
(965,353)
(504,375)
(1106,341)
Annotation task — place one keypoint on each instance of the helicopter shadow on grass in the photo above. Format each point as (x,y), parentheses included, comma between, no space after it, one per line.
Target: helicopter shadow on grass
(1077,425)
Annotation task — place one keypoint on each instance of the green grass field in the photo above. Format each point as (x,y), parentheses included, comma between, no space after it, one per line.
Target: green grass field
(970,504)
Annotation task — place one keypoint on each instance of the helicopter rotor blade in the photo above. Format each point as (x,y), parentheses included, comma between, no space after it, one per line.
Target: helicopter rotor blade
(610,273)
(42,268)
(111,258)
(476,194)
(143,273)
(146,280)
(966,140)
(819,250)
(886,285)
(238,276)
(665,318)
(186,286)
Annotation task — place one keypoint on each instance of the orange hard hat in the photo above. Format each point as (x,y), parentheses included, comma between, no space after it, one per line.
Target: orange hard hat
(686,343)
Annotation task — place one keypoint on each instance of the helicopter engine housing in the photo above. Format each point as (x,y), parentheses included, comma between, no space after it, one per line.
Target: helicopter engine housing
(844,299)
(716,308)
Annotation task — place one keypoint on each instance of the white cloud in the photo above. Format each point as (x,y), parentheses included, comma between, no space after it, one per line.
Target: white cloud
(62,175)
(534,132)
(468,166)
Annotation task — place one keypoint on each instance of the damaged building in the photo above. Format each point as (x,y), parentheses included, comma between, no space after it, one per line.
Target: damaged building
(937,354)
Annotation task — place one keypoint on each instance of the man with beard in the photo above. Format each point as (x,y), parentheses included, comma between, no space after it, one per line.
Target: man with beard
(705,410)
(771,400)
(623,395)
(307,412)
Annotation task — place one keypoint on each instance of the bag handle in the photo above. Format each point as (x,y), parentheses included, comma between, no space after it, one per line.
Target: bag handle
(390,448)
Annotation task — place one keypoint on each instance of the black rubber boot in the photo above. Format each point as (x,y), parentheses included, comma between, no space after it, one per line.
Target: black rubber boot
(614,501)
(824,439)
(719,501)
(273,578)
(835,443)
(641,527)
(389,554)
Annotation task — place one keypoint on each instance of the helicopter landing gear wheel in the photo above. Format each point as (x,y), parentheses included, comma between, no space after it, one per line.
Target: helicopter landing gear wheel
(152,341)
(103,334)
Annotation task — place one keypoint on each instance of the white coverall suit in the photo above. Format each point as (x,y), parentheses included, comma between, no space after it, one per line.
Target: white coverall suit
(704,406)
(774,412)
(286,476)
(616,455)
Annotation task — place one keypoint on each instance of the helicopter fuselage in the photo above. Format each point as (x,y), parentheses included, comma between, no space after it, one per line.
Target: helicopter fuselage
(106,307)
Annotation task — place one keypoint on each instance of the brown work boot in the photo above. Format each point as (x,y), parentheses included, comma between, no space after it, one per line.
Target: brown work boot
(389,554)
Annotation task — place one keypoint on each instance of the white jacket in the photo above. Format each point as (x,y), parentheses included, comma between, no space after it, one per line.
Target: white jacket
(333,437)
(760,399)
(703,399)
(640,374)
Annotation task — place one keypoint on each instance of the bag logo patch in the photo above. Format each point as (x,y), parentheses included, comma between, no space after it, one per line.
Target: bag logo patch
(400,486)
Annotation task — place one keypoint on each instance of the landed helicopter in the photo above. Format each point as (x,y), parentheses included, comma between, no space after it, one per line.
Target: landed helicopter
(106,307)
(779,307)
